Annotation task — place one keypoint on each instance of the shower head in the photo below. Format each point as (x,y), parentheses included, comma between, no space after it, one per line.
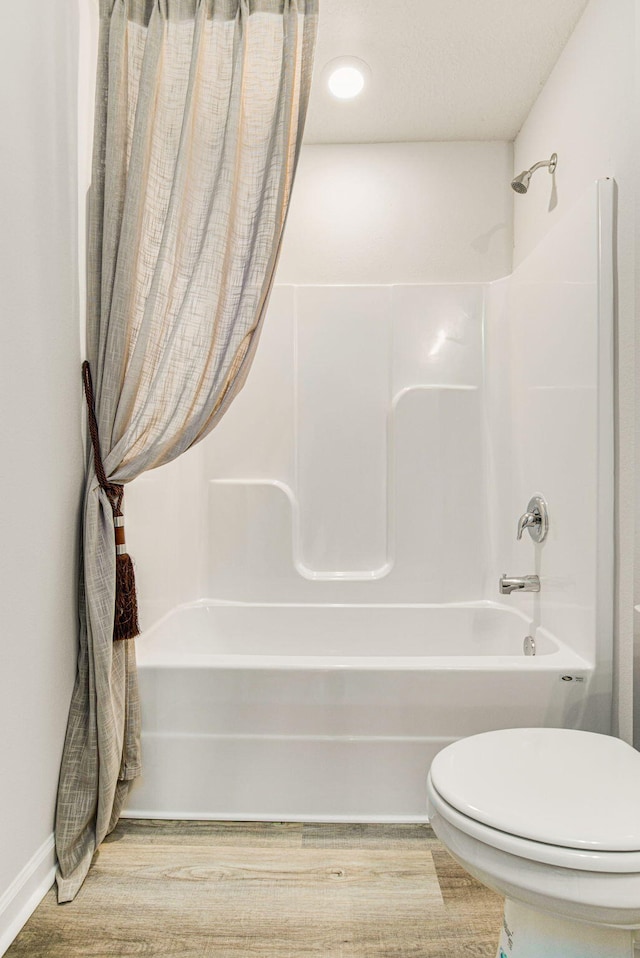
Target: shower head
(521,182)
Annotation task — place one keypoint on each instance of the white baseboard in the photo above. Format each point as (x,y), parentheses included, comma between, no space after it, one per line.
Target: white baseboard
(26,892)
(175,815)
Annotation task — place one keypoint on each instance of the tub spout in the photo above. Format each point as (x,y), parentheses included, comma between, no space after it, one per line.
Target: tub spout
(526,583)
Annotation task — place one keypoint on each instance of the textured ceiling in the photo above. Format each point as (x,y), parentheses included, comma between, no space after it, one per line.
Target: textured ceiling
(440,69)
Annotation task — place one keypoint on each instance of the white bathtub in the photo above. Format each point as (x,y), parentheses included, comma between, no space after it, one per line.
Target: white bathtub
(332,713)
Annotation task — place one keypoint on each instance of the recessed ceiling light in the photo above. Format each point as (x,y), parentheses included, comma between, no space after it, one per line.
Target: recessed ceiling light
(346,77)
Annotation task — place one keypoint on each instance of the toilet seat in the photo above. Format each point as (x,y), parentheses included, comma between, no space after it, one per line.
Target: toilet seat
(619,863)
(544,789)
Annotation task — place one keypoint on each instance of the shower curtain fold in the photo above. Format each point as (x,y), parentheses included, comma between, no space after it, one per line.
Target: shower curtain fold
(200,108)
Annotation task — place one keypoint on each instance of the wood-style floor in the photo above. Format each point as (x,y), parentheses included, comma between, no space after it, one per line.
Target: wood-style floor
(216,889)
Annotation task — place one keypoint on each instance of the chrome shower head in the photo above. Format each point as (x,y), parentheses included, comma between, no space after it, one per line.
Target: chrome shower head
(520,184)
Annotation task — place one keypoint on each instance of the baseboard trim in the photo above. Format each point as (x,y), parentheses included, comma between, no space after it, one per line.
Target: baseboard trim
(175,815)
(26,892)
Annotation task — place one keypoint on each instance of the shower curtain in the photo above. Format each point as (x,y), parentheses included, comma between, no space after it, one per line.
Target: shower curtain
(200,109)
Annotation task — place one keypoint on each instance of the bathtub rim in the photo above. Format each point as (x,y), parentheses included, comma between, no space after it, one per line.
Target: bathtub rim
(563,659)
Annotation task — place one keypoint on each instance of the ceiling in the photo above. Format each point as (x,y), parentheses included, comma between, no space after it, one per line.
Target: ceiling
(440,69)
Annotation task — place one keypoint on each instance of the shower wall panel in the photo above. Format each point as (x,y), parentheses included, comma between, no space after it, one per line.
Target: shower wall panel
(437,335)
(549,395)
(341,474)
(342,401)
(438,494)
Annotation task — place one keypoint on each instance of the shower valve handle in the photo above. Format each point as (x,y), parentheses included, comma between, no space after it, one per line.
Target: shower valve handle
(535,519)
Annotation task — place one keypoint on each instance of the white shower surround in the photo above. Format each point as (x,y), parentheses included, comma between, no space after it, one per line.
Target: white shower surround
(314,681)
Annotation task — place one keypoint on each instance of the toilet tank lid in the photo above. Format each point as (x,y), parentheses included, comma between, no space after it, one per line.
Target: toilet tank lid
(558,786)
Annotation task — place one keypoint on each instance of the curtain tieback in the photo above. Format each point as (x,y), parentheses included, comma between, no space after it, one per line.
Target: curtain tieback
(125,621)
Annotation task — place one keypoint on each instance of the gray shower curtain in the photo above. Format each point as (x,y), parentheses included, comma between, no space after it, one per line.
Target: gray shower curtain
(200,109)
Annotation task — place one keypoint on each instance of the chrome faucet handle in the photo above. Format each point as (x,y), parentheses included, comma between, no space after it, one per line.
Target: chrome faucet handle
(535,519)
(528,520)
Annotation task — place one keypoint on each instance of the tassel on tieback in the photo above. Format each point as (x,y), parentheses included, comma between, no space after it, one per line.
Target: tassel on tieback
(125,620)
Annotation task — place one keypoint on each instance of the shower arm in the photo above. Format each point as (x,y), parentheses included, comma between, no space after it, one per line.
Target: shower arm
(552,163)
(537,166)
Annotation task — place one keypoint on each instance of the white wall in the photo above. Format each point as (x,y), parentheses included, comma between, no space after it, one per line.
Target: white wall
(586,113)
(40,443)
(400,213)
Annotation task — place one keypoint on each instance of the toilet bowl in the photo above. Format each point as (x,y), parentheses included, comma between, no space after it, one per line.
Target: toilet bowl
(549,818)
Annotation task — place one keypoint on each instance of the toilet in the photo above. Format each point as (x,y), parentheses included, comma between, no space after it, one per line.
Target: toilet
(550,819)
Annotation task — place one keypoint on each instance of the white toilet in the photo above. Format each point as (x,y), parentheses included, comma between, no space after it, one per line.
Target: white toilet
(549,818)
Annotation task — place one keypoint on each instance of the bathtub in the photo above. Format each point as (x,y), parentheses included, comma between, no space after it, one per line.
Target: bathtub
(332,713)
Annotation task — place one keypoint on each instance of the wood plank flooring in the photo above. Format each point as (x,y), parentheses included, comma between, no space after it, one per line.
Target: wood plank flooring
(223,890)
